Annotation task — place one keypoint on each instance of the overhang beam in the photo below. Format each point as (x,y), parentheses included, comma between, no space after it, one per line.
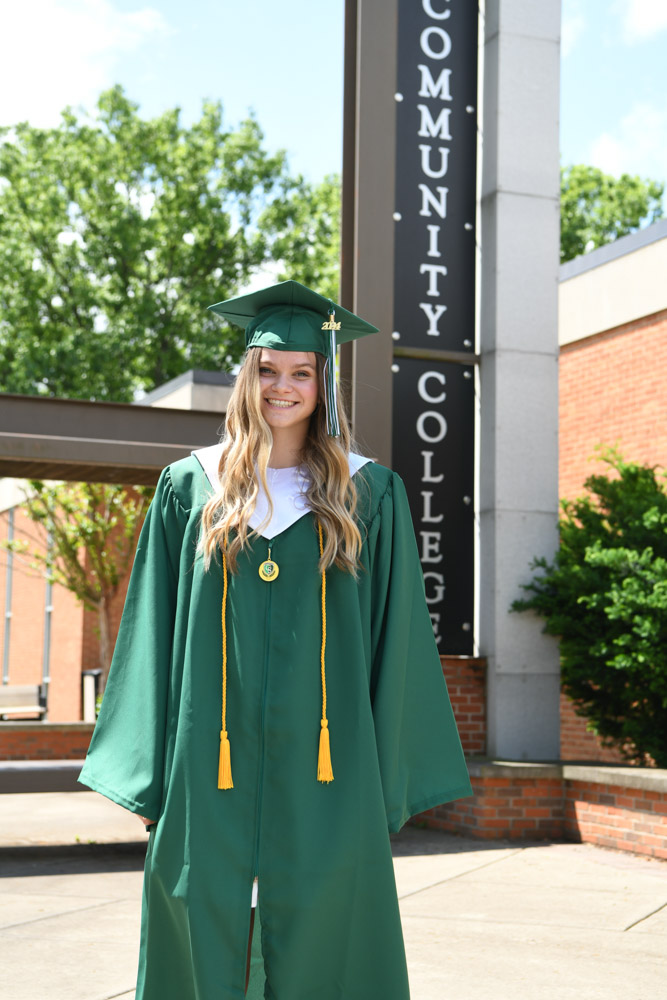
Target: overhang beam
(72,439)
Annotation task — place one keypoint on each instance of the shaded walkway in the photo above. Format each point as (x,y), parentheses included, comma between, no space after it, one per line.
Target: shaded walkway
(481,920)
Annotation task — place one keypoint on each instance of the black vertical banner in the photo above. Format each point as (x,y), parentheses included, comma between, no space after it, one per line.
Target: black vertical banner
(433,442)
(434,299)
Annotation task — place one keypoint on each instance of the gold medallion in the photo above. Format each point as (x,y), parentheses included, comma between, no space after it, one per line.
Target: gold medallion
(269,570)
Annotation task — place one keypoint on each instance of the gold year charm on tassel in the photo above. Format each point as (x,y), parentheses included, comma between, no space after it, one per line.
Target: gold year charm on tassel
(269,570)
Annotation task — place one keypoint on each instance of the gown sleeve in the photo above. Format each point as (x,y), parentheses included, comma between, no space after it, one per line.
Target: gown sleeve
(419,751)
(125,761)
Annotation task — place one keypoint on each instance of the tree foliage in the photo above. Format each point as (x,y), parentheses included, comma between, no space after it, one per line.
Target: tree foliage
(116,232)
(307,222)
(596,208)
(87,542)
(605,596)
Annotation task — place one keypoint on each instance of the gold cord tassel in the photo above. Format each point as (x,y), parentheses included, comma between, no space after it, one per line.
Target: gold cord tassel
(225,762)
(324,769)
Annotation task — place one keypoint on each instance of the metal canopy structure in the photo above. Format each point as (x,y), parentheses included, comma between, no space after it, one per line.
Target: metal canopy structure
(78,440)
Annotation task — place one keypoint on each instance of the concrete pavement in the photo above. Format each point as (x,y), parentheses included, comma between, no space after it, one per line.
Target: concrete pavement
(482,921)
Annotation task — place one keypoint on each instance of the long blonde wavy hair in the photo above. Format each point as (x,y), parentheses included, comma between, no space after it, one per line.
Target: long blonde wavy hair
(246,449)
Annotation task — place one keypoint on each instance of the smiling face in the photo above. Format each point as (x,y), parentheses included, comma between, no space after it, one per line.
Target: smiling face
(289,389)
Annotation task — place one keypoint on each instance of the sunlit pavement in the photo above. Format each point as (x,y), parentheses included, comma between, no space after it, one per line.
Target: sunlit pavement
(481,921)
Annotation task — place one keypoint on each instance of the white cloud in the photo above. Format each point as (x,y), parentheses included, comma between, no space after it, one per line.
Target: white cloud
(573,24)
(642,19)
(60,52)
(638,144)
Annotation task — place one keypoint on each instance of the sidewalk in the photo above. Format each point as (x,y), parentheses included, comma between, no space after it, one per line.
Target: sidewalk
(482,921)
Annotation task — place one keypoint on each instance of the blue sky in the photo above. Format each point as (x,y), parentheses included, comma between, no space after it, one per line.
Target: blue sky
(285,62)
(614,85)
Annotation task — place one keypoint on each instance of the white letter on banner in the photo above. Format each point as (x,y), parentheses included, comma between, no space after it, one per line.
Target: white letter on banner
(431,546)
(435,624)
(435,88)
(441,16)
(439,590)
(433,232)
(439,127)
(427,517)
(423,391)
(440,421)
(428,476)
(433,314)
(433,270)
(425,43)
(426,161)
(429,200)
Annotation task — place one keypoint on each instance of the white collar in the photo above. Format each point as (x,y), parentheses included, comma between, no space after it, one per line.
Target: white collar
(288,501)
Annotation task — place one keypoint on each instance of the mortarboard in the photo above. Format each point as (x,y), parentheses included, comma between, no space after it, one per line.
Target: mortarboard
(290,317)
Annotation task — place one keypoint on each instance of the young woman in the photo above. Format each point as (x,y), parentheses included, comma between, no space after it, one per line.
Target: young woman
(276,705)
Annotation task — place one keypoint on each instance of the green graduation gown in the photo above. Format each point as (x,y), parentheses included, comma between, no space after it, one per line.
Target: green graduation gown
(330,925)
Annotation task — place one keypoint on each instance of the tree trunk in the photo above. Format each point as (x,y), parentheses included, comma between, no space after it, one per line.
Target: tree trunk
(105,642)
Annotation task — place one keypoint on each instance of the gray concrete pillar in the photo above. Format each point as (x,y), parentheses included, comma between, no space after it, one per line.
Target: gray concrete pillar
(519,368)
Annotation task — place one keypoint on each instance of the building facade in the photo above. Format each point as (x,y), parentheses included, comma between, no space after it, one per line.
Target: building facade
(613,391)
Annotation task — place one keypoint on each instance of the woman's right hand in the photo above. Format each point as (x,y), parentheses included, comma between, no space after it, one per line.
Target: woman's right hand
(147,822)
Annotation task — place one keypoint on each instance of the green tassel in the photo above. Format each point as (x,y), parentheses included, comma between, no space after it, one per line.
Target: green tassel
(330,387)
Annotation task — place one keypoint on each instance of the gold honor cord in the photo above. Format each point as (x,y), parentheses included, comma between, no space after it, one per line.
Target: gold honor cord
(225,762)
(324,769)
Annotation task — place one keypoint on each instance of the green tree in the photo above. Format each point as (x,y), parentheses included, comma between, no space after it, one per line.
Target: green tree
(307,228)
(596,208)
(605,596)
(115,233)
(87,542)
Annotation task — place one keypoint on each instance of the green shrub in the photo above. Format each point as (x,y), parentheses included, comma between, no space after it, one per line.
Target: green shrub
(605,596)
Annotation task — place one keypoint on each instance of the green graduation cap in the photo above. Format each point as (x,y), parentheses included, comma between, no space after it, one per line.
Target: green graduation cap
(290,317)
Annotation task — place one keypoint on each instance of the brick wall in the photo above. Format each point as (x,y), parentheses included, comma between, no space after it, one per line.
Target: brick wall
(26,650)
(620,807)
(74,631)
(626,818)
(28,598)
(466,683)
(44,740)
(504,806)
(64,698)
(612,392)
(577,743)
